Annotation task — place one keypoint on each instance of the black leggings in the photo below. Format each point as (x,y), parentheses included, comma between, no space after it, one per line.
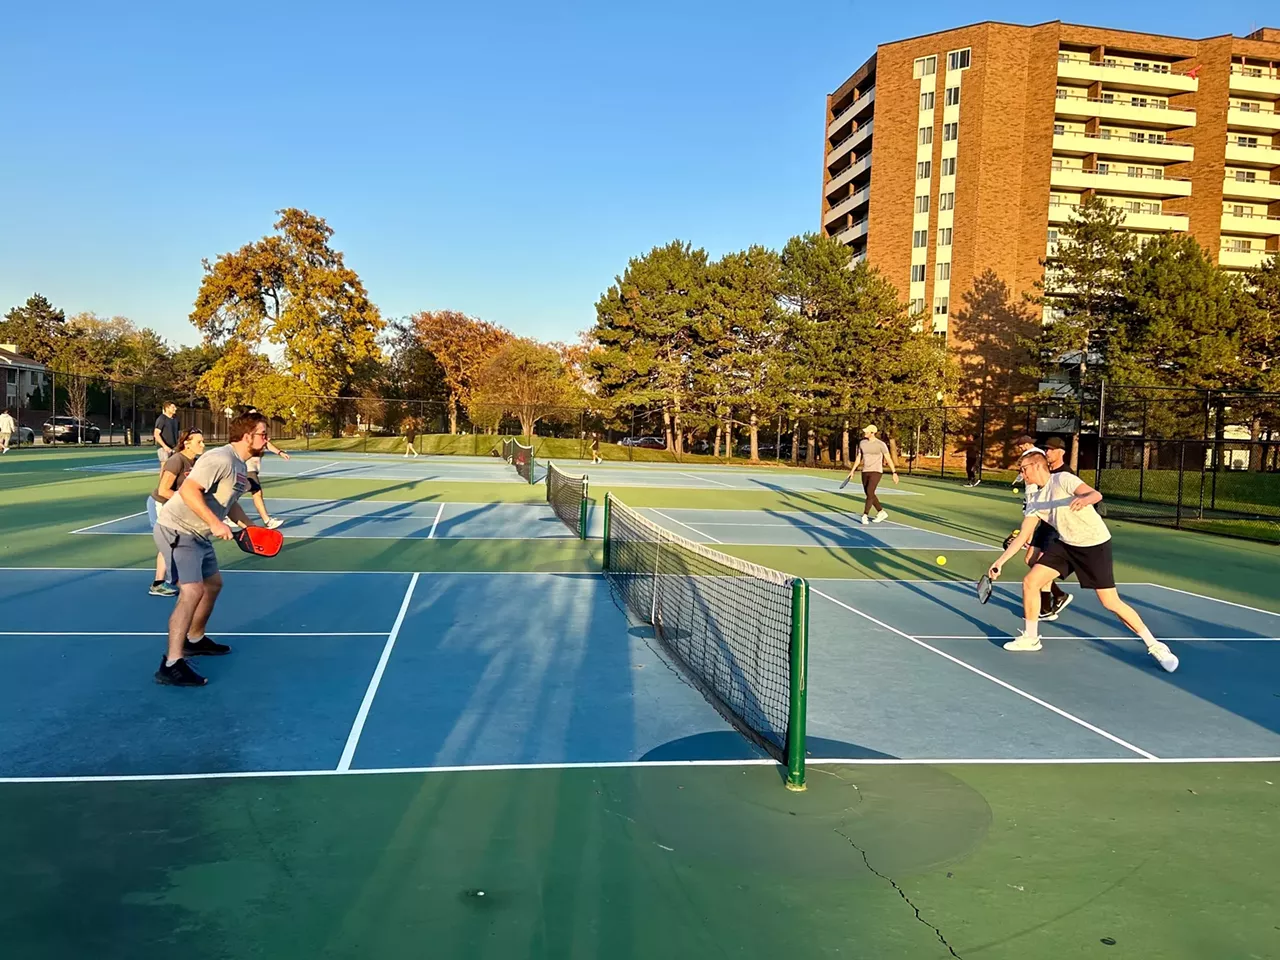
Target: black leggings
(869,483)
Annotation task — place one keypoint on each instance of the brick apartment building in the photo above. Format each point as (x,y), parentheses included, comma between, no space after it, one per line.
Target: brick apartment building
(951,159)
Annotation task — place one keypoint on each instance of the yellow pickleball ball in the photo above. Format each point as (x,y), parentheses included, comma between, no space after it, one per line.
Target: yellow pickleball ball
(942,561)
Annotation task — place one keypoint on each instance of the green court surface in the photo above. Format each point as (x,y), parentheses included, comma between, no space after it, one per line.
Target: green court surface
(889,853)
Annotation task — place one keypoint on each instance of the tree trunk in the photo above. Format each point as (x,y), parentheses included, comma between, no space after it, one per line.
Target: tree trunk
(795,442)
(453,414)
(844,446)
(812,448)
(1255,448)
(666,429)
(716,450)
(679,433)
(728,438)
(526,425)
(755,438)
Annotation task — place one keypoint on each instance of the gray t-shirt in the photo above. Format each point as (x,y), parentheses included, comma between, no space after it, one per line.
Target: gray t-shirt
(224,479)
(1051,504)
(873,453)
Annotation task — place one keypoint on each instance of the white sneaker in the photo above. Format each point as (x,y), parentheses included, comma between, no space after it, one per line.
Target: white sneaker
(1023,644)
(274,522)
(1164,656)
(865,521)
(881,516)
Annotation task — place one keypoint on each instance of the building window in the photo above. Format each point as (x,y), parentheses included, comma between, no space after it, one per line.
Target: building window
(925,67)
(922,204)
(1103,168)
(944,271)
(958,59)
(950,131)
(939,306)
(953,96)
(917,273)
(917,305)
(1056,163)
(1246,141)
(926,101)
(1059,129)
(948,166)
(926,136)
(924,169)
(1246,176)
(944,237)
(946,201)
(920,238)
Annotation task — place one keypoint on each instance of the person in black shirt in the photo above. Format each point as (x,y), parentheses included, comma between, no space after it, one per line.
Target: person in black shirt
(166,432)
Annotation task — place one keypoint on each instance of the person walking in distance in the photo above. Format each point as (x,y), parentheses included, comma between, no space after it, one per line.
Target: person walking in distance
(595,448)
(873,454)
(185,530)
(166,432)
(8,427)
(410,434)
(172,475)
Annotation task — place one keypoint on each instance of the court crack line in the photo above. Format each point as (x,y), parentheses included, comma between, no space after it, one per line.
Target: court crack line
(893,883)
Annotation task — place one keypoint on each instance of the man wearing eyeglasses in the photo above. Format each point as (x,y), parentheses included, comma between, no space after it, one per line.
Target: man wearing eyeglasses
(185,530)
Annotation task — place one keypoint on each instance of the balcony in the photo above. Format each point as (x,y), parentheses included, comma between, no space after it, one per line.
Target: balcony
(1260,82)
(1166,117)
(1060,213)
(1267,190)
(851,172)
(1242,260)
(851,142)
(1122,76)
(1257,225)
(853,111)
(1263,155)
(854,232)
(1080,144)
(1265,121)
(1119,182)
(848,204)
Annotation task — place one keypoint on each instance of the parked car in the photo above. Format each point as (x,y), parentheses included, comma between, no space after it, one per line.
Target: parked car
(26,435)
(70,430)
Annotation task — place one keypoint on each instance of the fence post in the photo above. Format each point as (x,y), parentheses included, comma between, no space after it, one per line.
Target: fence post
(1142,467)
(982,436)
(1102,432)
(1182,456)
(111,412)
(133,415)
(942,460)
(631,447)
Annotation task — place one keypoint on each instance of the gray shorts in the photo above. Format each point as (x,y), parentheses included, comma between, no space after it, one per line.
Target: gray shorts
(187,559)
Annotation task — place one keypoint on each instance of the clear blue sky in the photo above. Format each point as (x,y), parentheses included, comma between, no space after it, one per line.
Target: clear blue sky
(504,159)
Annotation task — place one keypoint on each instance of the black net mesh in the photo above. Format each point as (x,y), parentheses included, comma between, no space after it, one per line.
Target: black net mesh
(508,450)
(568,498)
(727,622)
(522,457)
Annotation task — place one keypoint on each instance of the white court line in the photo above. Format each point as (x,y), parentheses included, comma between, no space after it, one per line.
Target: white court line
(642,764)
(303,473)
(353,739)
(707,479)
(328,535)
(996,680)
(686,526)
(344,573)
(1201,596)
(144,633)
(436,522)
(140,513)
(1127,636)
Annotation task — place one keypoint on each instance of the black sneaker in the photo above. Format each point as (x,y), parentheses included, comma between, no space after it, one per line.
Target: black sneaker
(204,647)
(179,675)
(1061,604)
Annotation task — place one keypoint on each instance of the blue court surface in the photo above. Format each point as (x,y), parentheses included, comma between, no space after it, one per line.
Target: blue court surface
(402,520)
(357,671)
(339,466)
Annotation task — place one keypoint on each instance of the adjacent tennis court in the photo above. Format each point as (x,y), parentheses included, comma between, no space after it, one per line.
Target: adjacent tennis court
(447,719)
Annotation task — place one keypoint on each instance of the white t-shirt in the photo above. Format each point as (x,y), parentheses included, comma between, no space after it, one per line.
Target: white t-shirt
(1051,504)
(7,424)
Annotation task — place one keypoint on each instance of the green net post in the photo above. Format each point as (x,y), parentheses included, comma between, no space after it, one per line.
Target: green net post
(548,481)
(799,683)
(606,529)
(582,518)
(533,467)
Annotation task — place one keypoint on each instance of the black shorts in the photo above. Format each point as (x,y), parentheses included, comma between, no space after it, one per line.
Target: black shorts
(254,485)
(1044,536)
(1092,565)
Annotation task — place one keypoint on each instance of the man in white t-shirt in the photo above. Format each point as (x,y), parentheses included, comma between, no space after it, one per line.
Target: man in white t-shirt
(1082,547)
(8,427)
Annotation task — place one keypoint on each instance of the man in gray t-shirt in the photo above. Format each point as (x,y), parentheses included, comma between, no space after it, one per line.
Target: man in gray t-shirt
(873,454)
(185,529)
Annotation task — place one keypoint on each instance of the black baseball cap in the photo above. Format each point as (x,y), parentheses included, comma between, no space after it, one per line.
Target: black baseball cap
(1055,443)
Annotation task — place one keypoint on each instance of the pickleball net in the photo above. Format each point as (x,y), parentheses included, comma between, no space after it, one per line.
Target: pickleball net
(522,460)
(568,498)
(739,631)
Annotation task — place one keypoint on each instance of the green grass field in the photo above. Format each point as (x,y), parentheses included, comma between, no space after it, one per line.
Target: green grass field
(1002,862)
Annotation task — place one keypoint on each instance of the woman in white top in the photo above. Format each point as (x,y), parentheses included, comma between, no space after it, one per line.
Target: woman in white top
(873,454)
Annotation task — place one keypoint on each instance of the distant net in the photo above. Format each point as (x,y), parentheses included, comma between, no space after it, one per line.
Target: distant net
(522,459)
(508,450)
(568,498)
(739,630)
